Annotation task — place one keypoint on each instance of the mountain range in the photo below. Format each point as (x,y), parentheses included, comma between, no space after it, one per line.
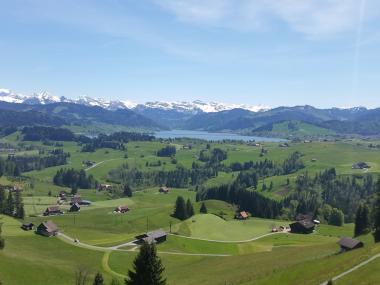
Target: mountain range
(197,115)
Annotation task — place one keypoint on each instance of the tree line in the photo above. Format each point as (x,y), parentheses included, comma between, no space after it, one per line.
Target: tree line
(11,203)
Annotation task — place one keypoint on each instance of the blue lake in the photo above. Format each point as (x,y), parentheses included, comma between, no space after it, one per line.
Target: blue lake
(211,136)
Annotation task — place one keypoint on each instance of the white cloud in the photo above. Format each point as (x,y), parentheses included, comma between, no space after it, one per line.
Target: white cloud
(313,18)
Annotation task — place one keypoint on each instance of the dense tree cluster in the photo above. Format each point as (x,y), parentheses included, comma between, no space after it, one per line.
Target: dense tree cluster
(362,220)
(254,202)
(75,179)
(183,210)
(376,211)
(2,241)
(180,177)
(115,141)
(167,151)
(213,156)
(11,204)
(40,133)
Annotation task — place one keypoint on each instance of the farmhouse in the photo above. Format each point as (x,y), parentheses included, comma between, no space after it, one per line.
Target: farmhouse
(62,195)
(47,228)
(52,210)
(75,208)
(243,215)
(27,226)
(121,209)
(164,190)
(16,189)
(302,227)
(347,244)
(360,165)
(152,237)
(104,187)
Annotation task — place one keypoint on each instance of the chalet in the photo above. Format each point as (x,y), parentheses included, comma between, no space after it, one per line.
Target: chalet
(27,226)
(16,189)
(152,237)
(121,209)
(243,215)
(347,244)
(302,227)
(62,195)
(360,165)
(103,187)
(284,145)
(164,190)
(47,228)
(52,210)
(75,208)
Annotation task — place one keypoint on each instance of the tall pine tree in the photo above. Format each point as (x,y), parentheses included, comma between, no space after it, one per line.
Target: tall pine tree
(376,233)
(189,209)
(180,209)
(362,220)
(98,279)
(2,242)
(147,267)
(203,208)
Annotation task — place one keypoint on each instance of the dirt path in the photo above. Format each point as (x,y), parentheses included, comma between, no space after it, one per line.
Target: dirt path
(361,264)
(99,163)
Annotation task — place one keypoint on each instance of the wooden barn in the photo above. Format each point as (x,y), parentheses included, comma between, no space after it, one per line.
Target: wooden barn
(152,237)
(347,244)
(121,209)
(164,190)
(52,210)
(302,227)
(47,228)
(243,215)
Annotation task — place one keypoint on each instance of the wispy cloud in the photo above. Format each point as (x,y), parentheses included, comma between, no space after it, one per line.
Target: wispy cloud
(312,18)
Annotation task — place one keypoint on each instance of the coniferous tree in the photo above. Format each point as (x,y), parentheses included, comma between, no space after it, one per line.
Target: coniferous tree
(336,218)
(98,279)
(203,208)
(127,191)
(10,207)
(189,209)
(147,268)
(180,209)
(362,220)
(2,241)
(376,233)
(2,201)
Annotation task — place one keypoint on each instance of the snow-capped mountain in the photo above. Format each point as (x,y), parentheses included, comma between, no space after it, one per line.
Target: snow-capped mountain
(185,107)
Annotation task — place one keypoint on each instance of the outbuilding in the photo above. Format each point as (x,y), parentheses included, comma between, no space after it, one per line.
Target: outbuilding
(347,243)
(75,208)
(302,227)
(122,209)
(27,226)
(243,215)
(164,190)
(152,237)
(52,210)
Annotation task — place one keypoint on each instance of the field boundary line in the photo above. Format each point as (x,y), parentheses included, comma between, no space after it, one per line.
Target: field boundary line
(228,241)
(361,264)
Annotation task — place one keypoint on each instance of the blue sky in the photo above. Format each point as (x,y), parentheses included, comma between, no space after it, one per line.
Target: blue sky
(289,52)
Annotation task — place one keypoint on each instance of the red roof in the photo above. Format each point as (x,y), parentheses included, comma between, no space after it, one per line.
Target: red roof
(243,214)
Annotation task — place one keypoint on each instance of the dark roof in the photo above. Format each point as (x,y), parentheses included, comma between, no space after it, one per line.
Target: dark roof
(52,209)
(307,224)
(301,217)
(28,225)
(50,226)
(349,242)
(156,234)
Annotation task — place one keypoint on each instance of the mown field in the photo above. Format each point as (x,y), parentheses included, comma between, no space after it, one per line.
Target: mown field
(215,246)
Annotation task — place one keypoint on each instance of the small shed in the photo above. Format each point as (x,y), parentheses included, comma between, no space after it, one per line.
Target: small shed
(103,186)
(243,215)
(122,209)
(360,165)
(75,208)
(52,210)
(302,227)
(27,226)
(347,243)
(47,228)
(76,200)
(164,190)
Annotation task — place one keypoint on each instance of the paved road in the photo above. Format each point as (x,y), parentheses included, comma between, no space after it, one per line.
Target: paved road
(365,262)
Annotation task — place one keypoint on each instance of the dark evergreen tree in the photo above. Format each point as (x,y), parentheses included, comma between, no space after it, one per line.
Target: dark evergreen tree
(2,241)
(180,209)
(376,210)
(203,208)
(2,201)
(19,206)
(362,220)
(10,206)
(127,191)
(98,279)
(147,268)
(189,209)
